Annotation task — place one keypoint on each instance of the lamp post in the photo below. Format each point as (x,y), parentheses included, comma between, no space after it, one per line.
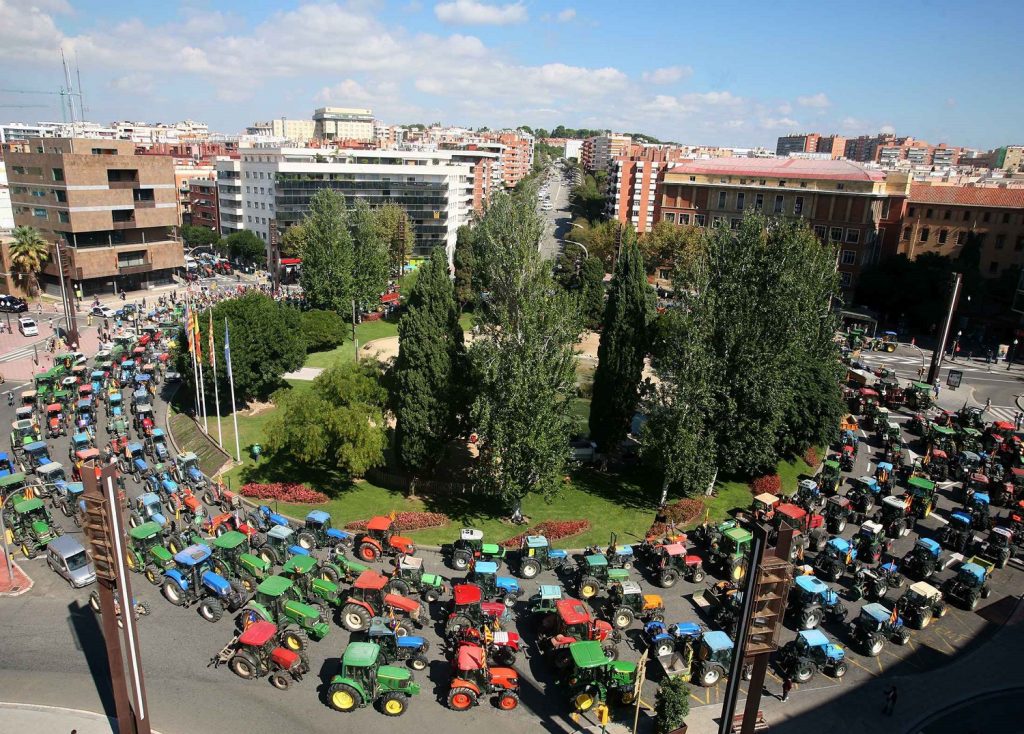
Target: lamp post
(586,252)
(1009,357)
(956,345)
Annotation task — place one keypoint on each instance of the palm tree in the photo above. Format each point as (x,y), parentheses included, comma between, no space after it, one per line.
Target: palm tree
(29,252)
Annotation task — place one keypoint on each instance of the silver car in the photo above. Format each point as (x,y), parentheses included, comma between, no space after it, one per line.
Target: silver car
(69,560)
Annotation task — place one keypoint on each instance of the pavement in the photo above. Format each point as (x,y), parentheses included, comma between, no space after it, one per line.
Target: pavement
(22,718)
(16,583)
(557,221)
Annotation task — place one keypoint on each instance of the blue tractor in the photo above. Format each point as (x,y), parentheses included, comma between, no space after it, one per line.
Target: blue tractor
(864,495)
(134,462)
(977,506)
(263,519)
(494,587)
(924,559)
(193,581)
(809,653)
(410,648)
(811,600)
(835,560)
(663,639)
(318,533)
(874,626)
(957,534)
(147,507)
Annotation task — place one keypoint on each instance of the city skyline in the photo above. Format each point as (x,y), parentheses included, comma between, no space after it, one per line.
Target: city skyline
(684,74)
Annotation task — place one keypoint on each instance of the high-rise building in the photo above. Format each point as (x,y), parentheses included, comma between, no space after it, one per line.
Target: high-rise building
(516,156)
(342,123)
(634,182)
(598,152)
(833,145)
(6,212)
(114,209)
(297,131)
(204,204)
(229,194)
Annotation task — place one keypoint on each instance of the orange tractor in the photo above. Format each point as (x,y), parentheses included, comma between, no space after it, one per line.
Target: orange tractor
(379,539)
(472,679)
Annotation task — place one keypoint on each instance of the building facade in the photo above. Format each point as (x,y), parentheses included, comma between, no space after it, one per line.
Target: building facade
(116,211)
(6,211)
(343,123)
(204,203)
(635,180)
(598,152)
(229,195)
(833,145)
(297,131)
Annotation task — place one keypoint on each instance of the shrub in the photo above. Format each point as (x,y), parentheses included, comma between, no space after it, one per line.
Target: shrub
(682,512)
(322,330)
(409,521)
(770,483)
(671,705)
(811,457)
(550,529)
(298,494)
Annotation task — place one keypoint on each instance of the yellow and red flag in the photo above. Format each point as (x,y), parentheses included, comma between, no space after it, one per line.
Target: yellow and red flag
(196,343)
(213,354)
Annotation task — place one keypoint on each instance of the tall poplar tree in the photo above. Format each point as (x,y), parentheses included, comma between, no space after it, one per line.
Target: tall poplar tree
(327,254)
(370,260)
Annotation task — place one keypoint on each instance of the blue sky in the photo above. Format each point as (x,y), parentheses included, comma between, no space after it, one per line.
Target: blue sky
(701,73)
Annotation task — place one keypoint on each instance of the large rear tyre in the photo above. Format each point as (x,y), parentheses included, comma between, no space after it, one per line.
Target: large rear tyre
(306,540)
(173,593)
(622,618)
(461,699)
(804,672)
(211,610)
(343,697)
(529,569)
(294,638)
(589,586)
(668,578)
(354,618)
(244,666)
(368,552)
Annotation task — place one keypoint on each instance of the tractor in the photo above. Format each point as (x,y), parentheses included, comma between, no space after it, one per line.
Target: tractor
(318,533)
(848,456)
(725,601)
(146,507)
(923,498)
(56,425)
(937,465)
(51,479)
(727,547)
(368,598)
(836,513)
(871,543)
(957,534)
(277,600)
(874,626)
(143,422)
(316,581)
(232,560)
(473,679)
(998,547)
(811,600)
(32,526)
(674,562)
(811,652)
(810,529)
(713,659)
(541,606)
(977,506)
(146,554)
(831,475)
(618,555)
(865,493)
(278,545)
(874,583)
(593,575)
(35,455)
(193,581)
(225,522)
(762,507)
(494,587)
(134,462)
(885,476)
(924,559)
(409,577)
(894,516)
(263,519)
(156,446)
(626,602)
(593,679)
(970,583)
(808,495)
(892,441)
(968,463)
(217,496)
(23,431)
(260,651)
(471,547)
(573,622)
(536,555)
(79,442)
(919,396)
(920,605)
(662,639)
(363,679)
(836,559)
(379,539)
(394,647)
(186,471)
(469,610)
(65,498)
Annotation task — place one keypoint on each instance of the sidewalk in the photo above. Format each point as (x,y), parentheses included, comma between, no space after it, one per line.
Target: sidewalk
(16,586)
(19,718)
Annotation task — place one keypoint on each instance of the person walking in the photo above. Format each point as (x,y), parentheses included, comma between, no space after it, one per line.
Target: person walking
(936,387)
(787,686)
(10,398)
(1018,418)
(988,404)
(891,696)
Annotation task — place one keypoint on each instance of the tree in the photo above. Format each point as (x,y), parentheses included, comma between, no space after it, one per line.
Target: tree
(523,360)
(591,292)
(464,261)
(624,344)
(600,238)
(327,254)
(671,705)
(337,424)
(292,239)
(587,200)
(400,236)
(29,253)
(370,254)
(427,398)
(322,330)
(244,245)
(199,236)
(667,243)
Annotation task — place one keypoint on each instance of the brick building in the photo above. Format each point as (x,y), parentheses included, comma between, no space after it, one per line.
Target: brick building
(598,152)
(634,182)
(204,207)
(834,145)
(116,211)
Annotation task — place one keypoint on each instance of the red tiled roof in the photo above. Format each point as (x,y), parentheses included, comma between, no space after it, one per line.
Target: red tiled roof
(793,168)
(967,196)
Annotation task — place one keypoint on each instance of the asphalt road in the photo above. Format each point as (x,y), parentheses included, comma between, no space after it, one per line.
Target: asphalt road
(557,221)
(53,654)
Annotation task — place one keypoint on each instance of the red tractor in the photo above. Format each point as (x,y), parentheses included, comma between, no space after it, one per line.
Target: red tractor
(573,622)
(473,679)
(368,599)
(811,533)
(379,539)
(258,651)
(217,525)
(469,610)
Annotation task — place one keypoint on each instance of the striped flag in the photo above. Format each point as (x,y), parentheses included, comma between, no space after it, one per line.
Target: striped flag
(212,353)
(194,327)
(188,330)
(227,349)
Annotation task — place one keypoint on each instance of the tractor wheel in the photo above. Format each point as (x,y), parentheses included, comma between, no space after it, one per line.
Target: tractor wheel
(248,581)
(134,519)
(623,617)
(219,531)
(840,670)
(940,610)
(668,578)
(589,586)
(219,567)
(611,651)
(458,623)
(394,704)
(529,568)
(397,586)
(804,672)
(208,498)
(873,645)
(343,697)
(509,600)
(402,629)
(838,612)
(508,701)
(431,595)
(94,602)
(354,618)
(840,527)
(239,594)
(280,681)
(306,540)
(330,573)
(244,666)
(697,576)
(738,569)
(585,700)
(504,656)
(902,637)
(665,647)
(28,550)
(810,619)
(925,618)
(294,638)
(985,592)
(65,508)
(461,699)
(152,574)
(710,676)
(173,593)
(269,555)
(211,610)
(418,662)
(368,552)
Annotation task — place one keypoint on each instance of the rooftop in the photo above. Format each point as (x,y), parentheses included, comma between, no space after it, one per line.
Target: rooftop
(967,196)
(794,168)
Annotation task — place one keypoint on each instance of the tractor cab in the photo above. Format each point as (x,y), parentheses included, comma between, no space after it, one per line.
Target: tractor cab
(84,415)
(875,624)
(23,432)
(98,380)
(970,582)
(971,417)
(53,478)
(998,548)
(29,399)
(923,497)
(970,439)
(277,600)
(140,398)
(468,605)
(594,679)
(764,505)
(810,651)
(836,558)
(470,547)
(187,471)
(837,512)
(713,657)
(364,679)
(55,423)
(143,421)
(280,545)
(870,542)
(729,552)
(380,538)
(115,402)
(396,647)
(32,526)
(6,465)
(810,527)
(79,442)
(543,602)
(318,532)
(536,554)
(674,561)
(36,454)
(830,477)
(967,464)
(575,622)
(894,516)
(958,531)
(156,445)
(27,412)
(808,495)
(924,559)
(146,549)
(977,505)
(504,588)
(920,605)
(147,507)
(937,465)
(594,574)
(626,602)
(811,599)
(919,396)
(370,588)
(847,457)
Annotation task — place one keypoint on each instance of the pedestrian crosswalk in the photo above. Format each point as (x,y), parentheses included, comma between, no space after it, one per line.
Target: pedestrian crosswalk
(1001,413)
(22,352)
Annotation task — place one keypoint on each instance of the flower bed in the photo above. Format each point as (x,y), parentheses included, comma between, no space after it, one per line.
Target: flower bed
(682,512)
(550,529)
(770,483)
(409,521)
(298,494)
(811,457)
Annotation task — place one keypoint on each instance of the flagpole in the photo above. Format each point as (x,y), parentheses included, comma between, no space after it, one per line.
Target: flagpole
(191,347)
(216,389)
(202,386)
(231,382)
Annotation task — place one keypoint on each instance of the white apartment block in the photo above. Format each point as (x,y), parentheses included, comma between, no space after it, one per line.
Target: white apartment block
(229,194)
(6,210)
(296,131)
(343,123)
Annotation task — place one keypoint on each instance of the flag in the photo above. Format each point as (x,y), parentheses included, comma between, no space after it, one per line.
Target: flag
(194,326)
(188,330)
(894,616)
(227,349)
(212,353)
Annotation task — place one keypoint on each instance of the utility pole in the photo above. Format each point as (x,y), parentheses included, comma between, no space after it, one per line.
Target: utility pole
(940,349)
(64,268)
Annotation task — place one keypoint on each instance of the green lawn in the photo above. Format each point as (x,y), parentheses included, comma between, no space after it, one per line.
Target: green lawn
(737,494)
(365,332)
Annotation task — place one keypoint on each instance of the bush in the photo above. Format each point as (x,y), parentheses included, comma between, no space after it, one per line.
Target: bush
(770,483)
(298,494)
(811,457)
(671,705)
(550,529)
(409,521)
(322,330)
(682,512)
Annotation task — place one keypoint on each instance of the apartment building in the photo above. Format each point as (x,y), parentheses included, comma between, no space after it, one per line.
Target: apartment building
(943,219)
(297,131)
(598,152)
(846,204)
(204,203)
(635,180)
(834,145)
(230,205)
(343,123)
(6,211)
(116,211)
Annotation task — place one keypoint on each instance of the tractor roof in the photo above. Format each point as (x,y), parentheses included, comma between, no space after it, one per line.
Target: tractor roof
(258,633)
(870,481)
(86,454)
(280,532)
(961,516)
(54,408)
(867,392)
(838,500)
(318,516)
(630,587)
(947,431)
(158,432)
(192,555)
(28,505)
(485,567)
(300,564)
(380,522)
(148,498)
(892,425)
(35,446)
(274,586)
(572,611)
(360,655)
(840,544)
(1003,426)
(924,589)
(596,560)
(229,540)
(767,498)
(877,612)
(466,594)
(674,549)
(739,535)
(471,534)
(53,466)
(717,640)
(832,464)
(885,466)
(146,530)
(135,446)
(974,570)
(536,541)
(80,438)
(84,403)
(930,544)
(921,483)
(979,478)
(587,654)
(938,454)
(814,638)
(470,657)
(370,579)
(550,591)
(811,584)
(982,497)
(895,502)
(1017,471)
(410,563)
(12,479)
(188,456)
(1005,532)
(23,423)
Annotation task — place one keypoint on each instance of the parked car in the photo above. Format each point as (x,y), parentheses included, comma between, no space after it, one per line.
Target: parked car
(104,312)
(69,560)
(12,304)
(27,326)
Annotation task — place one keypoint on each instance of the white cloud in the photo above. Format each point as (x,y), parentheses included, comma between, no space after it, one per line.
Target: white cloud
(470,12)
(785,109)
(134,84)
(819,100)
(887,130)
(343,91)
(713,98)
(779,123)
(564,16)
(667,74)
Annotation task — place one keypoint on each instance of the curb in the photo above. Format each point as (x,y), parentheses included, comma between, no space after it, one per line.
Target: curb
(80,713)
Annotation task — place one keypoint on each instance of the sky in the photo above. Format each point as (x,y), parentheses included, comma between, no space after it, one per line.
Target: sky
(738,73)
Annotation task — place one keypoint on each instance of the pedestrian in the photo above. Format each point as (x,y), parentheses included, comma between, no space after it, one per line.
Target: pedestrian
(10,397)
(890,700)
(1018,418)
(988,404)
(787,686)
(920,373)
(936,387)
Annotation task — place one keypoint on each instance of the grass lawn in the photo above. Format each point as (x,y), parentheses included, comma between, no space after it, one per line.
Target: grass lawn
(365,332)
(737,494)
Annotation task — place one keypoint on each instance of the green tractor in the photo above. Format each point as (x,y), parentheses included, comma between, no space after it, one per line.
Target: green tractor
(594,574)
(32,526)
(363,680)
(409,577)
(728,552)
(594,679)
(277,600)
(469,548)
(146,553)
(24,432)
(315,580)
(232,560)
(831,475)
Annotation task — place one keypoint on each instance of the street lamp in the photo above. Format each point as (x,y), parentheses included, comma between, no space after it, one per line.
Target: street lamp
(586,253)
(1009,357)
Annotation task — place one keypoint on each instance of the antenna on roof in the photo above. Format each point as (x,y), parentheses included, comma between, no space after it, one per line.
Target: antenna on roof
(81,97)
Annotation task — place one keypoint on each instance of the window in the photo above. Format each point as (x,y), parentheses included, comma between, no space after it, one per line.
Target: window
(798,205)
(693,178)
(740,197)
(910,211)
(41,213)
(943,234)
(1006,217)
(717,222)
(38,193)
(845,280)
(1000,241)
(1020,244)
(60,195)
(803,184)
(967,215)
(131,259)
(63,217)
(670,217)
(924,234)
(885,208)
(849,257)
(986,217)
(853,236)
(721,200)
(58,174)
(758,202)
(762,182)
(104,151)
(947,214)
(782,183)
(263,205)
(840,186)
(249,217)
(684,218)
(247,189)
(906,233)
(779,202)
(928,214)
(819,231)
(20,170)
(961,237)
(835,234)
(665,274)
(993,268)
(734,223)
(19,190)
